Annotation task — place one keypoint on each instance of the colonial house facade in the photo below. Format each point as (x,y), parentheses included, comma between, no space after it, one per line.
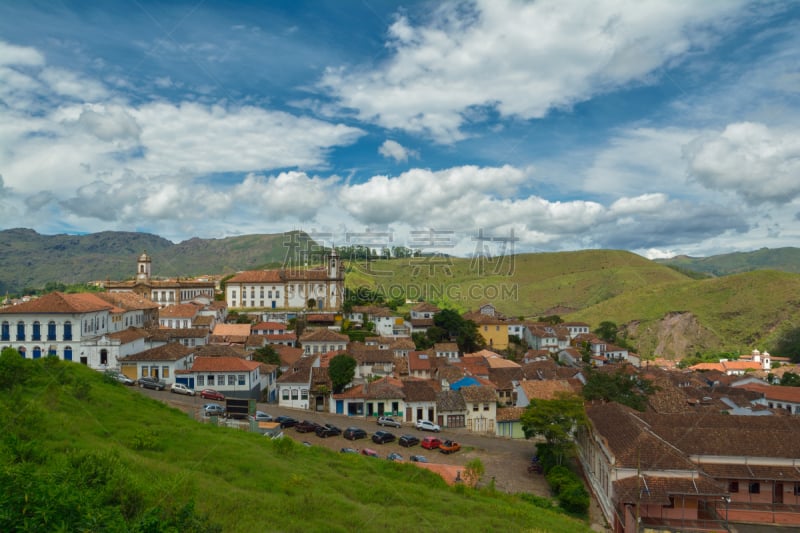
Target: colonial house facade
(161,362)
(322,340)
(295,384)
(232,376)
(288,288)
(67,326)
(163,292)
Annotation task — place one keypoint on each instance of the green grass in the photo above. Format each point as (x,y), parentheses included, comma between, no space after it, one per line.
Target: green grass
(160,457)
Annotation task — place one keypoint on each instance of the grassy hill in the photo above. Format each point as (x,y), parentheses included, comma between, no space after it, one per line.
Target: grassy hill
(82,453)
(783,259)
(732,313)
(526,285)
(28,259)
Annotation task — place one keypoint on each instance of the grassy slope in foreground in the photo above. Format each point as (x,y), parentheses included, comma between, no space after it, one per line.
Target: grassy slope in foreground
(527,284)
(241,481)
(739,311)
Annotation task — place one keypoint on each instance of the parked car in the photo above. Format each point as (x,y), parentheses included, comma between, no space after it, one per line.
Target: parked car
(369,452)
(394,456)
(418,459)
(211,394)
(213,409)
(389,421)
(449,446)
(261,416)
(348,450)
(427,425)
(431,443)
(180,388)
(327,430)
(286,421)
(354,433)
(119,376)
(149,382)
(408,440)
(382,437)
(306,426)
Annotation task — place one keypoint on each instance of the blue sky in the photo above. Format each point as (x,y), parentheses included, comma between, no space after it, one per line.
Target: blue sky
(663,128)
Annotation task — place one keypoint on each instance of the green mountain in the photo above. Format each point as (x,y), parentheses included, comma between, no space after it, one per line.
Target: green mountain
(80,452)
(783,259)
(527,285)
(28,259)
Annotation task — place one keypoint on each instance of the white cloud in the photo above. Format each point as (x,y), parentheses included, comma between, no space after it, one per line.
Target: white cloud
(287,195)
(11,54)
(759,163)
(68,83)
(521,58)
(396,151)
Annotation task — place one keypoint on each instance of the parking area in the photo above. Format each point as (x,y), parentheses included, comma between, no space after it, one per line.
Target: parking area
(505,461)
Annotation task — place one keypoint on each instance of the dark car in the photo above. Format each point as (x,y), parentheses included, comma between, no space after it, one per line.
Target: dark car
(286,421)
(149,382)
(327,430)
(407,441)
(354,433)
(306,426)
(382,437)
(211,394)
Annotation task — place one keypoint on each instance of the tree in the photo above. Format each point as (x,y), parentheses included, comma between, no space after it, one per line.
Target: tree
(607,331)
(555,420)
(465,332)
(341,370)
(788,345)
(790,379)
(630,390)
(551,319)
(267,354)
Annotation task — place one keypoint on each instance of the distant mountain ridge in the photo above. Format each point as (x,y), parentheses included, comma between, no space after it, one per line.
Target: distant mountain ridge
(29,259)
(781,259)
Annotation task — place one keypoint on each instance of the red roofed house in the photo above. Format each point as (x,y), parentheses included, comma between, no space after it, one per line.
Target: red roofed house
(73,327)
(232,376)
(288,288)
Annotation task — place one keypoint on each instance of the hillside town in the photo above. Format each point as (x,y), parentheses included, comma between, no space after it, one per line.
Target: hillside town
(716,443)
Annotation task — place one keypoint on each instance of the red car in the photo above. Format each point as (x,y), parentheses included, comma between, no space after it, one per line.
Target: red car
(431,443)
(211,394)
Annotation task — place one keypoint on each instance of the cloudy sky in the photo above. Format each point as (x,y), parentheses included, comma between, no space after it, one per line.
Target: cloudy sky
(660,127)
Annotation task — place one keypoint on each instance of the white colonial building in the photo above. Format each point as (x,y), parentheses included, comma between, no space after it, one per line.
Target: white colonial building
(321,288)
(74,327)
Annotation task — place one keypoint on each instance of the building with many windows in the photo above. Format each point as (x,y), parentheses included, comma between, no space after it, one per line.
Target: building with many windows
(164,292)
(288,288)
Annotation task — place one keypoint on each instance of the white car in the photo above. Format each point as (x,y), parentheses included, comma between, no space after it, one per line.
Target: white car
(427,425)
(180,388)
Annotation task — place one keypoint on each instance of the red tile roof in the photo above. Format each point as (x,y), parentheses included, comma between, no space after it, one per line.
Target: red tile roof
(58,302)
(223,364)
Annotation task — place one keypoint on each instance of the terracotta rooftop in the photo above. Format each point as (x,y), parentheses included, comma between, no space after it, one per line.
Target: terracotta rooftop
(223,364)
(232,329)
(59,302)
(179,311)
(220,350)
(127,300)
(479,393)
(129,335)
(169,334)
(168,352)
(548,389)
(323,335)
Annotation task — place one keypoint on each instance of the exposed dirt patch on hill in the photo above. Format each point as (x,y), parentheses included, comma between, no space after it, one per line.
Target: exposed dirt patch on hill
(675,336)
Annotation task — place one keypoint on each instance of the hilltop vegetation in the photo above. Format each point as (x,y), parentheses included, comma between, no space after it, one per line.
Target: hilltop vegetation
(31,260)
(782,259)
(524,285)
(83,453)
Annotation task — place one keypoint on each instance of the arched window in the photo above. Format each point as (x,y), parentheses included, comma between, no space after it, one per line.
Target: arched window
(20,330)
(5,331)
(37,352)
(51,331)
(37,331)
(67,331)
(68,353)
(22,351)
(52,352)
